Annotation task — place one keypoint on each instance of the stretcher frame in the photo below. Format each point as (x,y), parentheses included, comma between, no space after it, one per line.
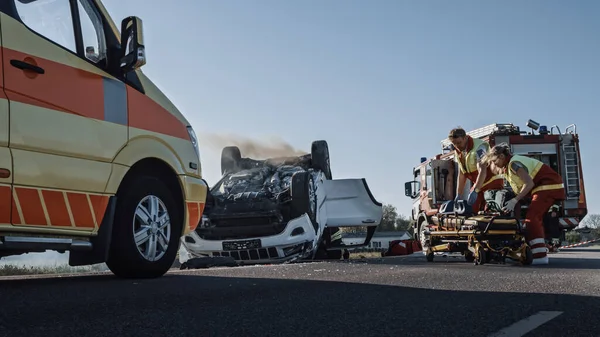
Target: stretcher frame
(480,238)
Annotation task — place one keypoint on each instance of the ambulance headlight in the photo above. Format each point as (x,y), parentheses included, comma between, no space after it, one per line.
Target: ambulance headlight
(194,140)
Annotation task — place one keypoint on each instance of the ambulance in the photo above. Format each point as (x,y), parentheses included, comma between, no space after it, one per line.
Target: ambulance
(94,158)
(434,179)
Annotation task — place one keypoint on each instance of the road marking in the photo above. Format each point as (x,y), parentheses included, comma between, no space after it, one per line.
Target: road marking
(528,324)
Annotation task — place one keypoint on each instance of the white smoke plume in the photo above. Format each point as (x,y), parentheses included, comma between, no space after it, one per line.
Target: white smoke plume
(269,148)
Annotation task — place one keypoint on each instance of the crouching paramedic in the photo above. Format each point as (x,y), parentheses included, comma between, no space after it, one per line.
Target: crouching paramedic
(529,177)
(468,153)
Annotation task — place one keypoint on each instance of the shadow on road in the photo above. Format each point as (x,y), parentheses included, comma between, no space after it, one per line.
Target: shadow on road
(571,259)
(195,305)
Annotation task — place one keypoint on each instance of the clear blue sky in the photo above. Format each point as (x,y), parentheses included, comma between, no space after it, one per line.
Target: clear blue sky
(381,81)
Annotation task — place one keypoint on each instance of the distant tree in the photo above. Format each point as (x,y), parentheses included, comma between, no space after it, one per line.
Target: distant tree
(573,237)
(593,222)
(392,221)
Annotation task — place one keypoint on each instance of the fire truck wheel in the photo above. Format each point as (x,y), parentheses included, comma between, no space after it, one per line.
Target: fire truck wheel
(421,234)
(146,230)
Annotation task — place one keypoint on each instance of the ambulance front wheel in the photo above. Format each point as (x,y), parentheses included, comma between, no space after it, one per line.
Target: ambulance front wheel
(146,230)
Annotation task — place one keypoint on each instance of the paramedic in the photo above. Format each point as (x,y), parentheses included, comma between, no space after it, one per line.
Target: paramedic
(529,177)
(468,153)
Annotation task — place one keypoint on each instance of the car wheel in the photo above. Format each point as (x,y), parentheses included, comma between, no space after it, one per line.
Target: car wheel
(320,157)
(147,230)
(230,159)
(304,198)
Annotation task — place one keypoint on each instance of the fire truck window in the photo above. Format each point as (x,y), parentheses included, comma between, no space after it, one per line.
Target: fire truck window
(428,181)
(50,18)
(92,32)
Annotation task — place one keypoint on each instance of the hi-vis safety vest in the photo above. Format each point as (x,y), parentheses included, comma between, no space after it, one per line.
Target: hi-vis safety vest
(468,165)
(533,167)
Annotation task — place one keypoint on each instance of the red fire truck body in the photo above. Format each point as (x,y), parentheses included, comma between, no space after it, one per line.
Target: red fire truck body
(435,178)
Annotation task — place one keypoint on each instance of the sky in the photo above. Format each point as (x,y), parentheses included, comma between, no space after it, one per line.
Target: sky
(382,81)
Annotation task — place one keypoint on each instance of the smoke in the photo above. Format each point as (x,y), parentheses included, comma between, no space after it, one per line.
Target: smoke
(269,148)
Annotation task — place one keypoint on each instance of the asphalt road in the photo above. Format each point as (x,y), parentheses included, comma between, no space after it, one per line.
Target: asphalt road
(394,296)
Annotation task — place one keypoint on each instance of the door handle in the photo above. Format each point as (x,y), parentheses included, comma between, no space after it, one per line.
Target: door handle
(26,66)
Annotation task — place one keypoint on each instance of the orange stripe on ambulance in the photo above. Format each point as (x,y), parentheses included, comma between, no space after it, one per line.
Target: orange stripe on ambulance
(101,163)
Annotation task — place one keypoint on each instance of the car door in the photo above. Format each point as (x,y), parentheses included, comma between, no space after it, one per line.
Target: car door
(5,157)
(349,203)
(68,117)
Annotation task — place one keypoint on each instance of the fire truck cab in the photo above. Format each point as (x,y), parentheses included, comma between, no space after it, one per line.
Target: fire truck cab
(434,179)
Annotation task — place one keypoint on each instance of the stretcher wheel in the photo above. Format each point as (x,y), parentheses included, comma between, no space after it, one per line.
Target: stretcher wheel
(429,257)
(527,257)
(481,257)
(469,257)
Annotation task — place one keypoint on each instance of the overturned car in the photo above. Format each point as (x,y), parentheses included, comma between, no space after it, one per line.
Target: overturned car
(281,210)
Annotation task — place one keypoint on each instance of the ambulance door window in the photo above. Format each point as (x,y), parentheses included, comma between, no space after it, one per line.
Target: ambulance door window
(51,19)
(94,41)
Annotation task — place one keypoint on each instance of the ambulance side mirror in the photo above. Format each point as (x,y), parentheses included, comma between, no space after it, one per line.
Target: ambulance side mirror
(411,189)
(133,52)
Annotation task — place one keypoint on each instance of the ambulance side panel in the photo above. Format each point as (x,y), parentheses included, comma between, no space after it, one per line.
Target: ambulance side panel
(66,124)
(5,157)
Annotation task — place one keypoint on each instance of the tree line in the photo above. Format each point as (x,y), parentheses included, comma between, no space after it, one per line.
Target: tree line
(392,221)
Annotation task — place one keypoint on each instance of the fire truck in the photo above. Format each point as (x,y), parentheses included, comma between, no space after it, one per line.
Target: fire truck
(434,179)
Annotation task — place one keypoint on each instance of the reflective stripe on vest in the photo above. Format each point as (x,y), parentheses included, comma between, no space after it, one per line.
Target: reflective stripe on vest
(547,188)
(533,167)
(470,160)
(492,179)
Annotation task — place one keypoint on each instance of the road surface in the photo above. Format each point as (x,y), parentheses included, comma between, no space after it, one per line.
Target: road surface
(394,296)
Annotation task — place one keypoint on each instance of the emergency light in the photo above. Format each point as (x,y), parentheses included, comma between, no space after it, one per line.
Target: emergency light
(543,130)
(423,159)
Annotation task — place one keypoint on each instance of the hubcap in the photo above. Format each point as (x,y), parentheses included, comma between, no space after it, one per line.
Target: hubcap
(152,228)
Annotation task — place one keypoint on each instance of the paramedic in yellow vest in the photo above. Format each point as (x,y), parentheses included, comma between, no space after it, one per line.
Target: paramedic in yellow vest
(529,177)
(468,153)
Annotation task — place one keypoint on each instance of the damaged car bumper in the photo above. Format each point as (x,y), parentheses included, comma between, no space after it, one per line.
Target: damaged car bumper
(297,240)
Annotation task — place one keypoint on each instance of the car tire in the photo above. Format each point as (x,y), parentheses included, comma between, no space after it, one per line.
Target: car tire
(320,157)
(303,200)
(230,159)
(125,258)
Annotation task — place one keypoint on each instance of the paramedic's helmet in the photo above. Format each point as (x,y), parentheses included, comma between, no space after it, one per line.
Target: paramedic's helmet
(447,207)
(553,208)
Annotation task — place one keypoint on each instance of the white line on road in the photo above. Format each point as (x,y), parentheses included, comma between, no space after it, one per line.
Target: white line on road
(528,324)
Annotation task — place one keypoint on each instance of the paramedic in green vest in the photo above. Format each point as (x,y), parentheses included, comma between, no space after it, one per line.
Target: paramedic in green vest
(529,177)
(468,153)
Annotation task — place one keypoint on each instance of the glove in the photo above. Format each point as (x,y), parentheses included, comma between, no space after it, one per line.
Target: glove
(510,205)
(472,198)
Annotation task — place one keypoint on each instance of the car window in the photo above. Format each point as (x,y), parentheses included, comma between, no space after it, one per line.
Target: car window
(94,42)
(50,18)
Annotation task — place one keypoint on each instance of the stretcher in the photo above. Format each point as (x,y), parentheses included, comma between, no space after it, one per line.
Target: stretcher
(481,238)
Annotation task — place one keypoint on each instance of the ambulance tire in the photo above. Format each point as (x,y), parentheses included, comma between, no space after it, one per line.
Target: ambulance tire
(124,258)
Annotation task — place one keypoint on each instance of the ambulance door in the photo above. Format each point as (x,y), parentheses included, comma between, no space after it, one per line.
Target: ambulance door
(68,116)
(5,157)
